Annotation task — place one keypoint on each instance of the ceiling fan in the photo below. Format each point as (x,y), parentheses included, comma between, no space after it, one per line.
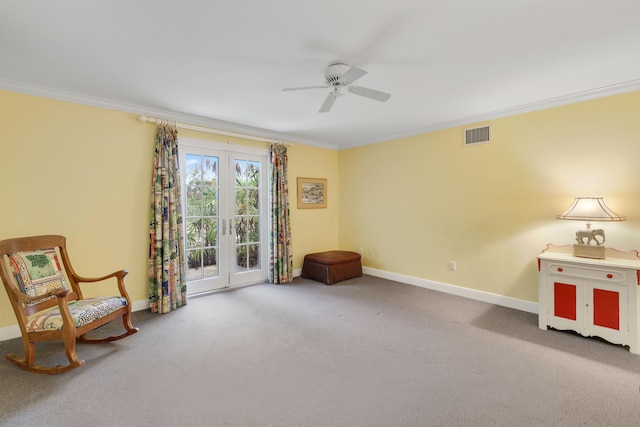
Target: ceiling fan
(339,78)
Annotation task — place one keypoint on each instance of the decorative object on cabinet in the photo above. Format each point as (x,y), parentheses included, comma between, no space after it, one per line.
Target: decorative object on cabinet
(590,209)
(593,297)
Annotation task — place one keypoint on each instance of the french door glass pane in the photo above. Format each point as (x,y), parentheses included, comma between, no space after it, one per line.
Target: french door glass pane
(247,215)
(253,229)
(241,230)
(201,175)
(192,238)
(253,202)
(210,232)
(241,201)
(241,258)
(210,263)
(194,260)
(254,256)
(194,197)
(241,173)
(210,201)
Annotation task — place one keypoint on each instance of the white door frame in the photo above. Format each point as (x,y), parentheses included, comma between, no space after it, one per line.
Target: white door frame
(227,152)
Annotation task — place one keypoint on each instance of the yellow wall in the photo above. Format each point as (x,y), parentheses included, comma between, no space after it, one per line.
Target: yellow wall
(81,172)
(412,204)
(416,203)
(313,230)
(85,172)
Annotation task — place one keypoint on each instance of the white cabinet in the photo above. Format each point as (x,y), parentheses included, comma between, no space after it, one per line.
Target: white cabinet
(593,297)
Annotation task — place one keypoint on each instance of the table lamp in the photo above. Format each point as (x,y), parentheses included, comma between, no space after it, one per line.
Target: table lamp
(590,209)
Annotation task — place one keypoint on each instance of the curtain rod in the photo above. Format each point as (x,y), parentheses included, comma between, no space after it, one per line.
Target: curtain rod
(146,119)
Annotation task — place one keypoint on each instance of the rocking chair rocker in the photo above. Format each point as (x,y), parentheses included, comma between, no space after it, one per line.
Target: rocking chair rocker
(45,294)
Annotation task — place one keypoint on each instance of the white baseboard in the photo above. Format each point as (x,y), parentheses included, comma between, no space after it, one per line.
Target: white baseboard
(9,332)
(518,304)
(140,305)
(13,331)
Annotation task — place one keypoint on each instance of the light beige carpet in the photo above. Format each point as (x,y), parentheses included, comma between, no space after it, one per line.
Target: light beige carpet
(364,352)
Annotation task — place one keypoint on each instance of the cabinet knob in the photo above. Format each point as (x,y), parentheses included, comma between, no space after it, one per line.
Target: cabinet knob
(609,276)
(560,269)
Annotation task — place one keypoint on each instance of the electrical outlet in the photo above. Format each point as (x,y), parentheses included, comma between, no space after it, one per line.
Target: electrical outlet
(361,251)
(452,265)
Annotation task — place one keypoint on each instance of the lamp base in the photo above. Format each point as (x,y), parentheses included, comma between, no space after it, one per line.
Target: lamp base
(588,251)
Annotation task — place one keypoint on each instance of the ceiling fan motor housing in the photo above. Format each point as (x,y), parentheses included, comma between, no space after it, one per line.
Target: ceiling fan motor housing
(339,77)
(333,74)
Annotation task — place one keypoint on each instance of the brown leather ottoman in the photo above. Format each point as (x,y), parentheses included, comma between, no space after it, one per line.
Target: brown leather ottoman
(332,266)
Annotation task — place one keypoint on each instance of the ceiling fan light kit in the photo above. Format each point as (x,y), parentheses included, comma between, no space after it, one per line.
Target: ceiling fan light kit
(339,78)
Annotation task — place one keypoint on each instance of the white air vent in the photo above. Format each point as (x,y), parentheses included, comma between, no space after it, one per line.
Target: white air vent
(477,135)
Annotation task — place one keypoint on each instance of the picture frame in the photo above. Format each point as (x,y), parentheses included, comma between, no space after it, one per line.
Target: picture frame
(312,193)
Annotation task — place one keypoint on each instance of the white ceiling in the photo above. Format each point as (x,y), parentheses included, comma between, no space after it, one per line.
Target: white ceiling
(224,63)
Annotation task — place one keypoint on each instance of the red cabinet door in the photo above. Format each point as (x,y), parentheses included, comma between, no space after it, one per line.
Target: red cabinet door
(606,308)
(564,297)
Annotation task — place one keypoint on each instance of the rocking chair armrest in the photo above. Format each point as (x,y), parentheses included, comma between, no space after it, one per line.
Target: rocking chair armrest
(58,293)
(119,275)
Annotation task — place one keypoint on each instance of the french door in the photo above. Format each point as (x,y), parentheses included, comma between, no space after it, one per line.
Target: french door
(225,215)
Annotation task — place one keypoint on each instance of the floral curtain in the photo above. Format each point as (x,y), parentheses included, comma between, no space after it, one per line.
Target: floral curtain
(167,285)
(281,257)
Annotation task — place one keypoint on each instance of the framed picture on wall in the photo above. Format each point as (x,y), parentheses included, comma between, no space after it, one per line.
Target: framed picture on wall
(312,193)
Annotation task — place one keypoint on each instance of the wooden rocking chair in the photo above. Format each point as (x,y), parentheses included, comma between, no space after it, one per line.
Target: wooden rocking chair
(45,294)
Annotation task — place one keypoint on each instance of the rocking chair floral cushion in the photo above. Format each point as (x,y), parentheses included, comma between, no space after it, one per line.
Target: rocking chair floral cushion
(83,312)
(46,297)
(38,272)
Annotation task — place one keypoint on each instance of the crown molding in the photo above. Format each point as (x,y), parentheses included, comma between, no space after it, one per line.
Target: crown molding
(573,98)
(110,104)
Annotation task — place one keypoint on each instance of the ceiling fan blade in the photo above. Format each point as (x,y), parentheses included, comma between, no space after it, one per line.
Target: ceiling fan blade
(286,89)
(328,102)
(352,74)
(370,93)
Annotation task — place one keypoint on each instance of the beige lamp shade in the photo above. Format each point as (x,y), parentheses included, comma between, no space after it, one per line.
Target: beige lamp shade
(590,209)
